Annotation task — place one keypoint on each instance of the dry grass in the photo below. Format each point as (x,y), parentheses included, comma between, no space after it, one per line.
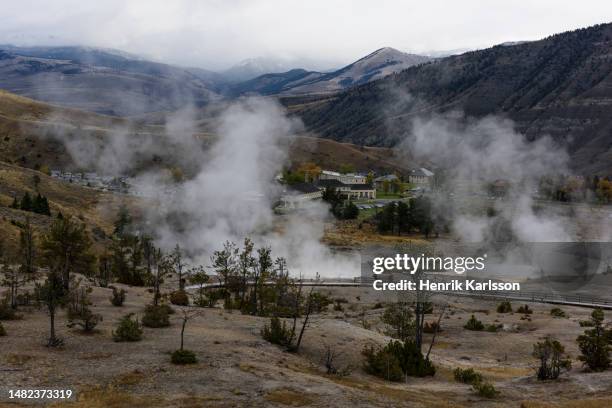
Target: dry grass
(248,368)
(289,397)
(500,372)
(377,389)
(95,208)
(586,403)
(18,359)
(331,155)
(130,378)
(109,397)
(95,356)
(348,233)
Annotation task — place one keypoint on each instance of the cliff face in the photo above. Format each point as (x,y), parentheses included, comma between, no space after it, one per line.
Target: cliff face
(561,86)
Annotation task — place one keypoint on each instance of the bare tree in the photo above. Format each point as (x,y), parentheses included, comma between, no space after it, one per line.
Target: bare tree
(105,271)
(178,265)
(246,263)
(27,248)
(436,330)
(187,315)
(261,273)
(13,278)
(329,358)
(421,297)
(160,268)
(310,306)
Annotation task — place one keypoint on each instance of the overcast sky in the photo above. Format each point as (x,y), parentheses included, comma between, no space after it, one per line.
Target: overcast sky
(215,34)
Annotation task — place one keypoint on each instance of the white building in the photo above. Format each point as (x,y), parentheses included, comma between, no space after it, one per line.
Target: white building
(349,178)
(421,177)
(349,191)
(297,195)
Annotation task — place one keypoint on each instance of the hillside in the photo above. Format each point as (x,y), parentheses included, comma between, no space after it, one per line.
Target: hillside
(30,131)
(331,155)
(96,209)
(561,85)
(376,65)
(32,135)
(102,81)
(250,68)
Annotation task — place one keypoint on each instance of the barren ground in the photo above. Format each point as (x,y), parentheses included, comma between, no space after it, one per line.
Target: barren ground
(237,368)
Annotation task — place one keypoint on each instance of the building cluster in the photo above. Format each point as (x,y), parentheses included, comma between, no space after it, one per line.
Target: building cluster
(350,186)
(116,184)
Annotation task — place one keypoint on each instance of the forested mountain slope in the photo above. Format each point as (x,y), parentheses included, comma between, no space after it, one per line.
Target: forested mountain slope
(561,85)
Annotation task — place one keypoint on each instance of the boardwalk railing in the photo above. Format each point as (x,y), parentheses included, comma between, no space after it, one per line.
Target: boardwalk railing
(525,296)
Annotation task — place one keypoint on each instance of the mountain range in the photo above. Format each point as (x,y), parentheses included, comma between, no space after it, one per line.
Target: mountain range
(376,65)
(121,84)
(559,86)
(253,67)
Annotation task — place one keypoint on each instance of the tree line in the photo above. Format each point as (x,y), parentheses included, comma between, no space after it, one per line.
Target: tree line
(400,217)
(38,204)
(340,208)
(251,279)
(594,189)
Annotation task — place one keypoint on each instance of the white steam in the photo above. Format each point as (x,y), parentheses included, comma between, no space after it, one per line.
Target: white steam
(474,153)
(233,195)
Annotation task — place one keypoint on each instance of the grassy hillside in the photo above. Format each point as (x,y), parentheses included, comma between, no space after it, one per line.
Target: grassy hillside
(29,129)
(96,209)
(329,154)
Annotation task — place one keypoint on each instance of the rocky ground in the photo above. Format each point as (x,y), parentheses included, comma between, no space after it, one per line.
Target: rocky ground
(238,368)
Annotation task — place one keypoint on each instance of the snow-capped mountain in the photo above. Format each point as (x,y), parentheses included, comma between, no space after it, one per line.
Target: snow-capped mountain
(376,65)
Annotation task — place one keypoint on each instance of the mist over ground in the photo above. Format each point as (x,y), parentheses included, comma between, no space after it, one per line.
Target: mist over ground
(476,153)
(233,194)
(230,187)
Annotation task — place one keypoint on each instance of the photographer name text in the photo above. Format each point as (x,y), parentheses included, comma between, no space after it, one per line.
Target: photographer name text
(450,286)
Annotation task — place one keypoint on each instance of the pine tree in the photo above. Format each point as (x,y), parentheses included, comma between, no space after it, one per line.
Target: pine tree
(403,218)
(387,218)
(41,205)
(350,211)
(123,221)
(594,344)
(46,208)
(36,204)
(51,293)
(26,202)
(66,249)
